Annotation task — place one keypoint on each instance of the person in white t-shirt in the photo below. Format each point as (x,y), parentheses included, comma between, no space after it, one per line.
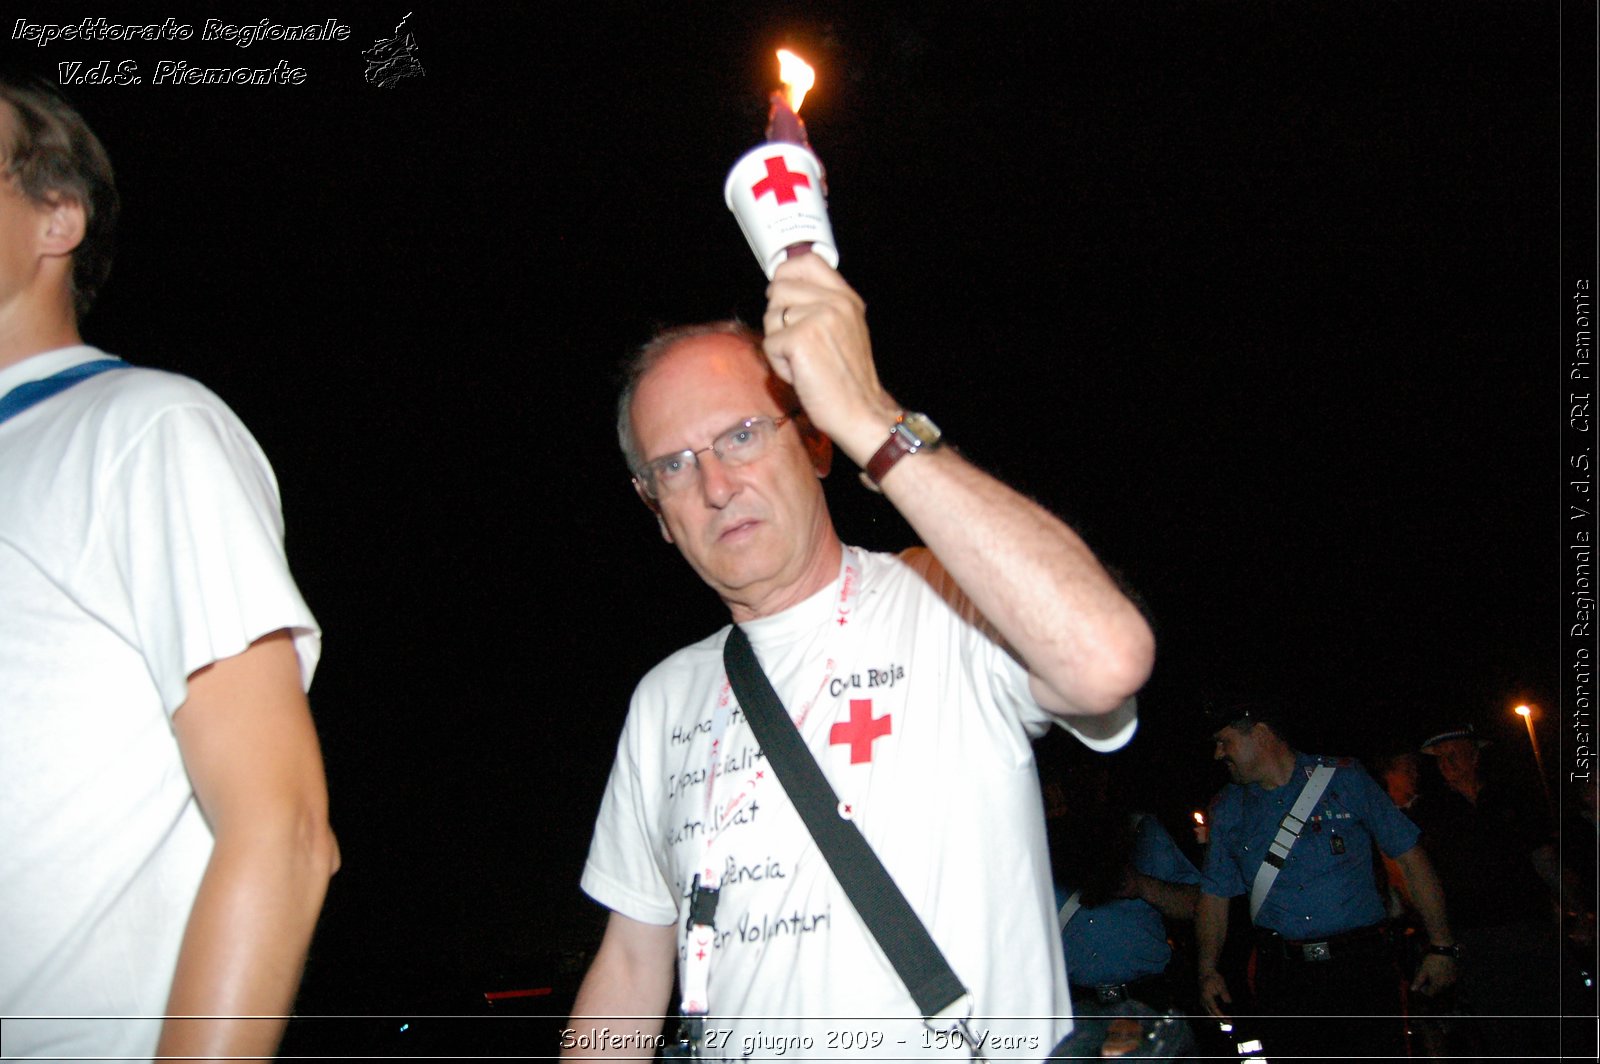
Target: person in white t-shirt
(917,681)
(162,798)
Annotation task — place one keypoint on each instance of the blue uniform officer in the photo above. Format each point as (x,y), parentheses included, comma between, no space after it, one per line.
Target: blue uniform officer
(1326,886)
(1124,940)
(1320,946)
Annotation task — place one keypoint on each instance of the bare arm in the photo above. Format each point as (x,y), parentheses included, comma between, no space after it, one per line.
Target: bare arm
(1176,901)
(1435,973)
(1087,647)
(625,992)
(251,752)
(1210,932)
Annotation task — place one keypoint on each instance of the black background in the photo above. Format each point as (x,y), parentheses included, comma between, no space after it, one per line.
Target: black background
(1264,298)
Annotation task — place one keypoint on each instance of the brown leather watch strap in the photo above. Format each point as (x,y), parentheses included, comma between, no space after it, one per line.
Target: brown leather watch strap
(910,433)
(896,447)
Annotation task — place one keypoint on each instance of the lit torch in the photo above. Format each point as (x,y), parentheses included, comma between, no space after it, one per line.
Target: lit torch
(778,191)
(783,120)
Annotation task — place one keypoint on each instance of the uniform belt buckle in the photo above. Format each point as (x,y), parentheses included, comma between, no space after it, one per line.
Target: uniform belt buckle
(1316,951)
(1111,995)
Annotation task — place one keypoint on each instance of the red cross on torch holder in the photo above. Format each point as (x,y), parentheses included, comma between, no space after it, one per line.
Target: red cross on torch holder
(777,191)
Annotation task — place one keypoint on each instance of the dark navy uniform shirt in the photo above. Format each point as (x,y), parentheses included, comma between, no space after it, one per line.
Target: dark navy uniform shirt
(1125,939)
(1327,885)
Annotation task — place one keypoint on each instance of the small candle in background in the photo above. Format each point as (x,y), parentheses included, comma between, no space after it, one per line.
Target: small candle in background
(1202,831)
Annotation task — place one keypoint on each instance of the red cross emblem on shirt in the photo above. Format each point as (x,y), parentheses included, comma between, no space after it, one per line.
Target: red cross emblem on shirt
(780,181)
(860,730)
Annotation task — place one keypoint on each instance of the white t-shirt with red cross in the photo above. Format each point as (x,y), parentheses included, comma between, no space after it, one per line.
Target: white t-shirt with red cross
(922,724)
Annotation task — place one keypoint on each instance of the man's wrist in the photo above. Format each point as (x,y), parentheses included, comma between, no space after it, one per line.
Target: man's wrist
(860,435)
(907,434)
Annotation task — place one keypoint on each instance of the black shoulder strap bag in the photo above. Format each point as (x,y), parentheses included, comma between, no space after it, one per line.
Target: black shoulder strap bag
(883,908)
(943,1001)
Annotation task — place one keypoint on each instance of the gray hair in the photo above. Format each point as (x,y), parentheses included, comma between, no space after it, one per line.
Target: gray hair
(648,355)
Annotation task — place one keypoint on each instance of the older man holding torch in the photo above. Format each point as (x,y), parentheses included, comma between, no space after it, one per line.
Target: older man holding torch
(916,681)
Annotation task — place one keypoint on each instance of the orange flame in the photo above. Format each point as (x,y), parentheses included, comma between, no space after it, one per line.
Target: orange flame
(797,77)
(1199,817)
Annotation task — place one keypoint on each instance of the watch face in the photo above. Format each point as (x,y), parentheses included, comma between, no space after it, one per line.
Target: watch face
(923,428)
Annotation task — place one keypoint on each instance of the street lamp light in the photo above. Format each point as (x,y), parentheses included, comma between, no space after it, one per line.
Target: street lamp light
(1526,713)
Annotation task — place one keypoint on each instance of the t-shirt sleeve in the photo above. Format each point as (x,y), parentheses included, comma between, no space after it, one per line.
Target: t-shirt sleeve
(194,531)
(624,870)
(1007,675)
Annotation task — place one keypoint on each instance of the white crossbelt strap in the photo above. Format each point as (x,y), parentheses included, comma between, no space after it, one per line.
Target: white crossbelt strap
(1289,828)
(1069,909)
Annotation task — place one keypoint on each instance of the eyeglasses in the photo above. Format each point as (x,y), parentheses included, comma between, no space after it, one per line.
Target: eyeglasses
(744,443)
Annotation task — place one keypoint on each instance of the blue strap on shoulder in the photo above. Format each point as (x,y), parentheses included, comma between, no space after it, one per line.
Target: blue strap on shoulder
(23,396)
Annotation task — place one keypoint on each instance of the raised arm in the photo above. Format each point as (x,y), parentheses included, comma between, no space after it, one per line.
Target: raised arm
(251,751)
(1086,646)
(624,995)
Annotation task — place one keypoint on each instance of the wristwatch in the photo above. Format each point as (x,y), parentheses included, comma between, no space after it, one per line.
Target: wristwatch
(1453,952)
(910,434)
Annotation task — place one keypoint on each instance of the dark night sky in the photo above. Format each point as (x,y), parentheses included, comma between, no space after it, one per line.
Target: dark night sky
(1263,297)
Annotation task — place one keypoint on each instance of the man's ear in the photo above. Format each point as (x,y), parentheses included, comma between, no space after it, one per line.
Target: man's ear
(820,448)
(64,222)
(654,507)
